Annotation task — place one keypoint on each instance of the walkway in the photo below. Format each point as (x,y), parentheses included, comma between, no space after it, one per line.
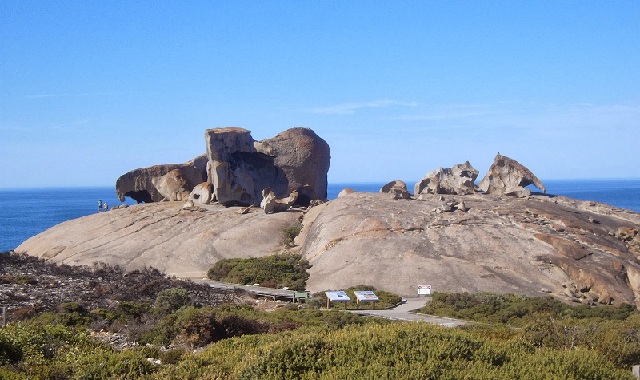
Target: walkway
(403,312)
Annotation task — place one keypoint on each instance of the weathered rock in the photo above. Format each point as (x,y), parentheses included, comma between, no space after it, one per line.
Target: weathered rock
(202,193)
(173,186)
(180,242)
(346,191)
(458,180)
(139,184)
(294,160)
(397,189)
(499,245)
(271,204)
(507,176)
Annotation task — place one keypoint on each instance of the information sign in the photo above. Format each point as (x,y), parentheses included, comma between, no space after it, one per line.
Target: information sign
(337,296)
(365,295)
(424,289)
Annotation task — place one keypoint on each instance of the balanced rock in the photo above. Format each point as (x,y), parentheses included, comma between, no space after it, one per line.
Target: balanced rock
(138,184)
(458,180)
(397,189)
(239,167)
(507,176)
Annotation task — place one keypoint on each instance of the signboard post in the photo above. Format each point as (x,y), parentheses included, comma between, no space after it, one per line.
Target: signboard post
(337,296)
(365,295)
(424,290)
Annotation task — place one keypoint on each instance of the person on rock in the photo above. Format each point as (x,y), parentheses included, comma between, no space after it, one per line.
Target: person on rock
(99,205)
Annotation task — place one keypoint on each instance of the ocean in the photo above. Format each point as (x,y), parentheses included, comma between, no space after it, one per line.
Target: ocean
(27,212)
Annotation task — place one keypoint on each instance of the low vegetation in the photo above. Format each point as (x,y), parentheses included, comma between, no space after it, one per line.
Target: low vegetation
(290,233)
(516,309)
(275,271)
(176,335)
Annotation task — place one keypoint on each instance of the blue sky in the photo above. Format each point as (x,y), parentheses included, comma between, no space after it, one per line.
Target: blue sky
(92,89)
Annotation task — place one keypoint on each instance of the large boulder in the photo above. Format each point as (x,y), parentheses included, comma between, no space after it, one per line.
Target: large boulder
(202,193)
(458,180)
(150,184)
(507,176)
(397,189)
(239,167)
(173,186)
(271,204)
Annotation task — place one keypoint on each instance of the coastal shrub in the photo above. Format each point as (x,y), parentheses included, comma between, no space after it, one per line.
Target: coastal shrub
(392,351)
(516,309)
(290,233)
(170,300)
(275,271)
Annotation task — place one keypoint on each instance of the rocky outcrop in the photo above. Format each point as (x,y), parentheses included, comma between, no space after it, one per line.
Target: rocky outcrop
(507,176)
(528,246)
(537,245)
(397,189)
(346,191)
(239,167)
(173,186)
(202,193)
(153,185)
(180,242)
(270,203)
(458,180)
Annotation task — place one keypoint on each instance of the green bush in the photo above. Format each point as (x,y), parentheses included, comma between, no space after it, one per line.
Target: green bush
(390,351)
(516,309)
(170,300)
(290,233)
(274,271)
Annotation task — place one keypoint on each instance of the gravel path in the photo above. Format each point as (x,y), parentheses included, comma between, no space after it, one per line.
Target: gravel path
(403,312)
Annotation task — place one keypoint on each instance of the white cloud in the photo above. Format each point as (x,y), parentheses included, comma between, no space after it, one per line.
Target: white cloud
(351,108)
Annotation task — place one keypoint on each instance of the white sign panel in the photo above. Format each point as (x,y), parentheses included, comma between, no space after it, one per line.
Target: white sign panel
(365,295)
(339,296)
(424,289)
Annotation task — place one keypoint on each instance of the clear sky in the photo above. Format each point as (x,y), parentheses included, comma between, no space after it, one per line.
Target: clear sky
(92,89)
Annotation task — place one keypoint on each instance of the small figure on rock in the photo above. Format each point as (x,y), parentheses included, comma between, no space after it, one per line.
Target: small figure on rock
(99,205)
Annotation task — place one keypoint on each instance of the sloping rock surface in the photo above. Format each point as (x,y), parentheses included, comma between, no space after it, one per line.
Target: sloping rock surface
(575,250)
(180,242)
(531,246)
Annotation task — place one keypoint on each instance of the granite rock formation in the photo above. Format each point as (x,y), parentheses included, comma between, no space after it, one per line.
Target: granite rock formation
(540,245)
(346,191)
(240,168)
(270,203)
(458,180)
(182,242)
(507,176)
(202,194)
(530,246)
(148,185)
(397,189)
